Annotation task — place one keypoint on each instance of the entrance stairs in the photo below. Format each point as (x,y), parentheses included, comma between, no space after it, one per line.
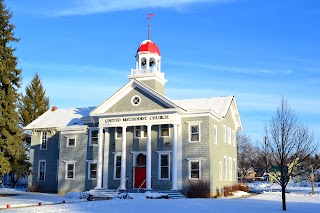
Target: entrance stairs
(112,193)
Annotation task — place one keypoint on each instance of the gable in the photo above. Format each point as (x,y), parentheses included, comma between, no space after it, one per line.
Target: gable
(232,117)
(147,102)
(120,102)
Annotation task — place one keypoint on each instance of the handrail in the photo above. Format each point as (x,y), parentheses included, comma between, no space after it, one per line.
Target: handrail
(120,186)
(141,184)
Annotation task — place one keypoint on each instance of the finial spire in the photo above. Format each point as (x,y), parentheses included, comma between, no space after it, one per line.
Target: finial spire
(149,18)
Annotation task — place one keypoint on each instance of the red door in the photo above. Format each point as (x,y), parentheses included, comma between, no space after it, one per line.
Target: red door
(139,177)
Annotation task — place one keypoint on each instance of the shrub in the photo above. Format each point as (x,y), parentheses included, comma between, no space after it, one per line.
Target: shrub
(198,189)
(228,190)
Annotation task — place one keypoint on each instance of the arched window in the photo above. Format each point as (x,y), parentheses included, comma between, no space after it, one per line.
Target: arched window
(143,63)
(152,63)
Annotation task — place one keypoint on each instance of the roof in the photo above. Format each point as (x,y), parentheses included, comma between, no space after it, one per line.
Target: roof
(219,105)
(60,118)
(148,46)
(73,116)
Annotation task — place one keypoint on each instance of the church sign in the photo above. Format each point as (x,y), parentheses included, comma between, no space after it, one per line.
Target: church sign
(141,120)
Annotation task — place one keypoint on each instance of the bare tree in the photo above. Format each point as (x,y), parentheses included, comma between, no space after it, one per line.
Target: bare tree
(289,143)
(247,154)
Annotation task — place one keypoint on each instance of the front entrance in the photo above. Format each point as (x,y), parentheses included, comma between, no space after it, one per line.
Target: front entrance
(140,171)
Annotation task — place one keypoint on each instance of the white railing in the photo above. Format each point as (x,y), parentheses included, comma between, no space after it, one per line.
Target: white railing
(141,184)
(120,186)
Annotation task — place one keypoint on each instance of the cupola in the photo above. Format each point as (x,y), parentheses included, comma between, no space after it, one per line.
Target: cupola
(148,66)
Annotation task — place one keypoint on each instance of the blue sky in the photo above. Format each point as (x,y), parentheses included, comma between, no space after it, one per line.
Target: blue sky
(257,50)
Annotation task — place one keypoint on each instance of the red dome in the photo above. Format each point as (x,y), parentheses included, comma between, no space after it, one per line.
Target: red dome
(147,46)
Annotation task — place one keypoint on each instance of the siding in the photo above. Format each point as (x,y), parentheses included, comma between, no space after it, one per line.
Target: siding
(147,103)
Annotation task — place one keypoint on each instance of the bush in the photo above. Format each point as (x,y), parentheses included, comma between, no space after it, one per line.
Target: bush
(228,190)
(33,188)
(198,189)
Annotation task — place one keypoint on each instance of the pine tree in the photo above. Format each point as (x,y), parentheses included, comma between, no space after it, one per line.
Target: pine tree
(34,103)
(10,78)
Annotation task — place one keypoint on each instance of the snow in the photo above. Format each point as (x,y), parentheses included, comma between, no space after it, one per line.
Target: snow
(298,200)
(60,118)
(219,105)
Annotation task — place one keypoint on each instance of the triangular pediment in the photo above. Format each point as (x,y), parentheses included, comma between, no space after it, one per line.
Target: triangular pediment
(122,101)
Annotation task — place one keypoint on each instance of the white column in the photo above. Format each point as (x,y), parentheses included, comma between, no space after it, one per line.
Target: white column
(106,158)
(174,157)
(148,175)
(100,153)
(123,158)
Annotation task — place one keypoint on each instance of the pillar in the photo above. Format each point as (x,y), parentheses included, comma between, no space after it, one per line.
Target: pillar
(100,153)
(123,158)
(148,172)
(106,158)
(174,157)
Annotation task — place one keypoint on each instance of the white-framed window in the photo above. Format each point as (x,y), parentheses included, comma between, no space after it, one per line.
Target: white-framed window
(229,135)
(71,141)
(194,131)
(140,131)
(44,140)
(215,134)
(235,170)
(234,138)
(225,166)
(164,165)
(220,170)
(118,132)
(70,170)
(224,133)
(42,170)
(194,168)
(93,136)
(164,130)
(92,169)
(117,166)
(230,169)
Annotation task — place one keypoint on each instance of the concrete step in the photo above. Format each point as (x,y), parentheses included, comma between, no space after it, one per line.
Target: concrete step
(103,193)
(176,194)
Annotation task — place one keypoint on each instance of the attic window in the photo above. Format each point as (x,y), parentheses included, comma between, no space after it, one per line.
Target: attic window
(135,100)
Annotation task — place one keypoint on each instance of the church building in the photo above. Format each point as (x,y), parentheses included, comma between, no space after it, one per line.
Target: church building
(138,138)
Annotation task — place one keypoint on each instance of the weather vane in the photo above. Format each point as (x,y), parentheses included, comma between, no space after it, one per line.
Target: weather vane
(148,19)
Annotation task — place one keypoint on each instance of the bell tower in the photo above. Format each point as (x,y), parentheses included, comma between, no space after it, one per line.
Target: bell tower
(148,66)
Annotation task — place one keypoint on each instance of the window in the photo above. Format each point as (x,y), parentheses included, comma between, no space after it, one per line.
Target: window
(117,166)
(215,134)
(229,135)
(140,131)
(71,141)
(230,169)
(194,132)
(44,140)
(42,170)
(93,136)
(118,132)
(70,170)
(235,170)
(225,167)
(220,170)
(234,138)
(164,165)
(164,130)
(224,133)
(135,100)
(194,169)
(92,169)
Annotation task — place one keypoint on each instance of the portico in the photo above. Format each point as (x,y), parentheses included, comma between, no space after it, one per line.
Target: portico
(148,120)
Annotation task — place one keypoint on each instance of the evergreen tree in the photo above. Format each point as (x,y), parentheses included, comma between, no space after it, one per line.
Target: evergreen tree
(34,103)
(11,145)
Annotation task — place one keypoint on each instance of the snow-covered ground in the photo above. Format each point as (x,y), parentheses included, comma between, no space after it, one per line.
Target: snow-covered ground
(298,200)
